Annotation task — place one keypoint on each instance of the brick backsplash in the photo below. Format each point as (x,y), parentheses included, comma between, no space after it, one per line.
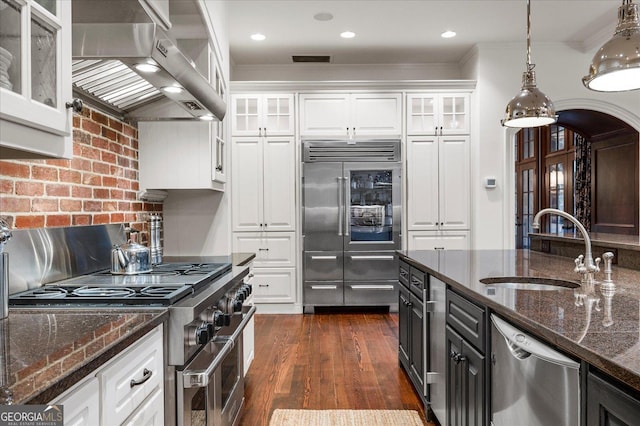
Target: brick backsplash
(98,185)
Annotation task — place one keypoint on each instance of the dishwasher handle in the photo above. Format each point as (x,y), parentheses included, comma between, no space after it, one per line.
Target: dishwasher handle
(522,345)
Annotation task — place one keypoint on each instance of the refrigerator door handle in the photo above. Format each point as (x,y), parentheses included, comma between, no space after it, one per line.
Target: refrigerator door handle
(340,205)
(347,206)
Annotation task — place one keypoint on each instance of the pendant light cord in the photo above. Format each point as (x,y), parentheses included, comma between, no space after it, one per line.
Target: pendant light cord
(530,66)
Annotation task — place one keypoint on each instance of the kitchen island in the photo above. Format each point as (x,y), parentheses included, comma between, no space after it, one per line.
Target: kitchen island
(551,315)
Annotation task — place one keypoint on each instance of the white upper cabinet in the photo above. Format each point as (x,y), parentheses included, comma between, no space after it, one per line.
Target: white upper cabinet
(438,192)
(35,78)
(438,114)
(262,115)
(263,176)
(179,155)
(351,115)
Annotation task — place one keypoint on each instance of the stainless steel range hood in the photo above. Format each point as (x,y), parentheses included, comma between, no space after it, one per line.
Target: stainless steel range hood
(111,39)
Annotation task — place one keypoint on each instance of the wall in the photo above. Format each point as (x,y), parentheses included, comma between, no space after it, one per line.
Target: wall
(97,186)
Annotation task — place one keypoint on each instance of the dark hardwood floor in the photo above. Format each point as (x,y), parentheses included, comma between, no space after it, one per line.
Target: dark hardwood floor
(326,360)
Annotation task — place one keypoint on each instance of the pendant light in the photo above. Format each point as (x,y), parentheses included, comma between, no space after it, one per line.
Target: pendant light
(616,66)
(530,107)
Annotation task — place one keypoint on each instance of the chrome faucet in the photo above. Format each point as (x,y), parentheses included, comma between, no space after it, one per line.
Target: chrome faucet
(585,265)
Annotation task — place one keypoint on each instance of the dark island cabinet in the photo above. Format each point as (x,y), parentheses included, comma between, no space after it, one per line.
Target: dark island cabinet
(412,326)
(609,405)
(466,365)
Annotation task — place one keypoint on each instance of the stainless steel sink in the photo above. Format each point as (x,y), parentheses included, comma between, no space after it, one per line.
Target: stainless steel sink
(530,283)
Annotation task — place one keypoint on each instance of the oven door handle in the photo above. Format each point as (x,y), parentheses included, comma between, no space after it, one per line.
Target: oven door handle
(200,378)
(238,331)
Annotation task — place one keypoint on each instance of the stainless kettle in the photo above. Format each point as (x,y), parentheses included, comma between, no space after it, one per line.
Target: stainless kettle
(130,259)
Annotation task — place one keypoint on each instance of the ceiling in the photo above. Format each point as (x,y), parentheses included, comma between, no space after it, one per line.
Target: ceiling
(402,31)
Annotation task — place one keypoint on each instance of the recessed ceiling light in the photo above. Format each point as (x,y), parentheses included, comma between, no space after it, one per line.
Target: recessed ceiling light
(347,34)
(448,34)
(323,16)
(258,37)
(147,67)
(172,89)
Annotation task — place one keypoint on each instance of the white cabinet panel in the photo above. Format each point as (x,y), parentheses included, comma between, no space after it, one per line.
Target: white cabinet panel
(422,188)
(247,174)
(455,191)
(438,240)
(178,155)
(263,183)
(438,178)
(273,249)
(351,115)
(324,114)
(279,183)
(274,285)
(82,404)
(150,413)
(376,114)
(131,378)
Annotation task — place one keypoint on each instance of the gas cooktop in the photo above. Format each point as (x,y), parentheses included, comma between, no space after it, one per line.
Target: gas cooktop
(166,284)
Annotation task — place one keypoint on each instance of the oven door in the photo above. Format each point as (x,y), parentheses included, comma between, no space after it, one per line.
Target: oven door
(211,387)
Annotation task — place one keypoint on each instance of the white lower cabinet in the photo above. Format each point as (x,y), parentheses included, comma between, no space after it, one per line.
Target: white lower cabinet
(128,390)
(81,404)
(274,285)
(272,249)
(438,240)
(274,267)
(133,376)
(150,413)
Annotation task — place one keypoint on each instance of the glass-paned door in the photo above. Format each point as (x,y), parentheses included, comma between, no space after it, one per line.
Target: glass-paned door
(371,208)
(373,196)
(526,185)
(556,192)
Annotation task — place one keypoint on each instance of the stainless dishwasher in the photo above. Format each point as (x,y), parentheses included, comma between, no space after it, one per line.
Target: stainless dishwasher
(531,383)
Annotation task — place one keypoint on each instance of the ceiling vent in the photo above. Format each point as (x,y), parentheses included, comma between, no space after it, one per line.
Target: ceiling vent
(311,58)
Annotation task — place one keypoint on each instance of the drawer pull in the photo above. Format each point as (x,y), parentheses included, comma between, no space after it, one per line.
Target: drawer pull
(324,287)
(372,287)
(415,281)
(146,375)
(403,273)
(324,257)
(372,257)
(263,285)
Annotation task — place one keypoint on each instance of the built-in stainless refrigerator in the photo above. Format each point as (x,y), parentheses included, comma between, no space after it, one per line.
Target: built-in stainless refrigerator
(351,222)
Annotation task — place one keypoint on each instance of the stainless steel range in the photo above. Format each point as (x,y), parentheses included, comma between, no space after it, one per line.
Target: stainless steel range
(204,375)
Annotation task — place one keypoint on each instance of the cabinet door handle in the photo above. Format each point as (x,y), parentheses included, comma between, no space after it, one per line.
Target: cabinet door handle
(146,375)
(457,358)
(438,248)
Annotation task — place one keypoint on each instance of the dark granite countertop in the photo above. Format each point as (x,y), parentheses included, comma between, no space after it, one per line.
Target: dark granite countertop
(46,351)
(603,330)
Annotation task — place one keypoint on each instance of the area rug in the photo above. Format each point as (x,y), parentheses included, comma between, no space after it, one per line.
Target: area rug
(282,417)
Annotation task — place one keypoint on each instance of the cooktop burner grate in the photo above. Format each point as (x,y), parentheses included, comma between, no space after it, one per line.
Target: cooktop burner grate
(164,286)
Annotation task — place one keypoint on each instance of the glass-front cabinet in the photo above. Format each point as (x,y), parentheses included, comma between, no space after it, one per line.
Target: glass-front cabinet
(35,76)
